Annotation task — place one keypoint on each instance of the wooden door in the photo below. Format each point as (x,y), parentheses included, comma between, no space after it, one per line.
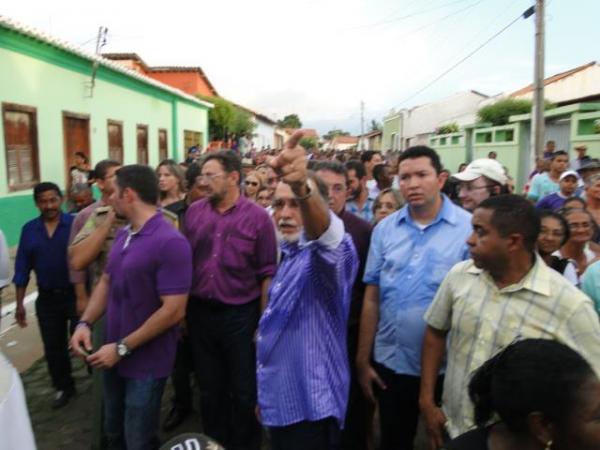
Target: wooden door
(76,131)
(163,147)
(192,139)
(142,144)
(115,141)
(20,140)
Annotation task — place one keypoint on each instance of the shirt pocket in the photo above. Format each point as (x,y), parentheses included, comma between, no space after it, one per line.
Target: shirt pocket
(238,252)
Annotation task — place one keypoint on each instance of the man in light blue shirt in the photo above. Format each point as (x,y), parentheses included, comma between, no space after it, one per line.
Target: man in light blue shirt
(411,252)
(546,183)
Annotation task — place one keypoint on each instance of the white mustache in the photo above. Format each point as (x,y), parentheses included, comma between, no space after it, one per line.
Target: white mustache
(287,222)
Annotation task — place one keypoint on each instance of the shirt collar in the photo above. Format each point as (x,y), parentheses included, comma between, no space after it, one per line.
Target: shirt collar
(447,213)
(62,221)
(148,227)
(241,199)
(536,280)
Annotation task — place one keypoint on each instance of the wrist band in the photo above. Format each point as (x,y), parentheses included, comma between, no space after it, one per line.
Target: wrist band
(307,195)
(83,323)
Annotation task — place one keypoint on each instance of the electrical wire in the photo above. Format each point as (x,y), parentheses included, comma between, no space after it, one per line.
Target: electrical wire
(407,16)
(524,15)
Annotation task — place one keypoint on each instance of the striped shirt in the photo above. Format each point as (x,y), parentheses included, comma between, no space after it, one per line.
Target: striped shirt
(483,319)
(302,369)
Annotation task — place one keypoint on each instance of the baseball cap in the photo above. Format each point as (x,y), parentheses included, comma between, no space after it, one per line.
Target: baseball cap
(590,164)
(568,173)
(485,167)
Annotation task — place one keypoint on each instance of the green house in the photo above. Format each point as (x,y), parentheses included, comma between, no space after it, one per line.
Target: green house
(58,99)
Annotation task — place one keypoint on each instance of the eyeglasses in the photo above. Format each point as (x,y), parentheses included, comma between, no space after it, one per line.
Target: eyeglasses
(580,226)
(251,183)
(280,203)
(209,177)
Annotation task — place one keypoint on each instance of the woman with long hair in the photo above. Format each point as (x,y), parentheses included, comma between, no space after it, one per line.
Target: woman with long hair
(171,181)
(534,394)
(252,184)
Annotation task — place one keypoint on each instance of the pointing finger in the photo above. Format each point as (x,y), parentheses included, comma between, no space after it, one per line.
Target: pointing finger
(294,140)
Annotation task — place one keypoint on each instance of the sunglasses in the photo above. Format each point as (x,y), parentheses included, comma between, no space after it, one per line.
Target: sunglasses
(251,183)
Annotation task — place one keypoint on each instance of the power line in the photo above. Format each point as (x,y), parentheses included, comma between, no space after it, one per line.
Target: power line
(525,15)
(407,16)
(440,20)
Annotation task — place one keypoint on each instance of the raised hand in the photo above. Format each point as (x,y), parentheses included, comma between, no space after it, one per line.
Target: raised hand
(290,164)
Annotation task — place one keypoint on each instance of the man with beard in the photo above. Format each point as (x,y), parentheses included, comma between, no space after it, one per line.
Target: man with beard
(303,374)
(359,202)
(235,255)
(43,249)
(505,292)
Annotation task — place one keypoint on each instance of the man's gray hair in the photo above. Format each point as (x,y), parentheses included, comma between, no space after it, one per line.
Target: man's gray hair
(78,188)
(592,180)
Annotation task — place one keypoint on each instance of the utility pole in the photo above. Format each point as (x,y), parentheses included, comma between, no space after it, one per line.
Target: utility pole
(537,122)
(362,125)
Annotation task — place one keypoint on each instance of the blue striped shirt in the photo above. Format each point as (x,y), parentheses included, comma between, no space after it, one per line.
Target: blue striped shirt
(302,369)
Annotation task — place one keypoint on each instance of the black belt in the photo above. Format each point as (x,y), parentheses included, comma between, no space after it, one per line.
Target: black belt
(57,291)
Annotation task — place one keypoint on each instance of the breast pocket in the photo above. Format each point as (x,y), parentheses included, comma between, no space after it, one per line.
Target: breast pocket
(238,252)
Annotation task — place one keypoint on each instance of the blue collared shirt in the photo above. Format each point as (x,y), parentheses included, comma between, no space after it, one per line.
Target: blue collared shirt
(302,369)
(46,256)
(408,263)
(365,213)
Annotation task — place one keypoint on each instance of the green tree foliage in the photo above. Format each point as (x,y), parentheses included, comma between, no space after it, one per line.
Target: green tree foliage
(335,132)
(290,121)
(227,121)
(375,126)
(309,143)
(448,128)
(499,112)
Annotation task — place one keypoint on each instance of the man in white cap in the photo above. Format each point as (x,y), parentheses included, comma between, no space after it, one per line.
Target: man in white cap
(481,179)
(568,182)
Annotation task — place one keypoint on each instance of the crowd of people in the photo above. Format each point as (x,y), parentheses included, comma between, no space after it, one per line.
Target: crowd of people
(315,297)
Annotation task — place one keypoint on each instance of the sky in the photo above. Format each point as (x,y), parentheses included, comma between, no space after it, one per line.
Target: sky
(321,58)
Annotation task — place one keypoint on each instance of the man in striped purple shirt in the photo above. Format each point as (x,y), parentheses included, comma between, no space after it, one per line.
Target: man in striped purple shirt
(303,374)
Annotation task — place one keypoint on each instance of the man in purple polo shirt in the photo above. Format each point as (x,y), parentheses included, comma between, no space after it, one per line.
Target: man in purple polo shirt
(235,255)
(144,291)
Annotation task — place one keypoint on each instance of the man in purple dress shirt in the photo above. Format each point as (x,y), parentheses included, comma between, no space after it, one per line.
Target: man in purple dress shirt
(303,373)
(235,256)
(144,291)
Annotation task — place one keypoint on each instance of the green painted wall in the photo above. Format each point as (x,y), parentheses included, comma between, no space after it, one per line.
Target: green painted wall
(451,148)
(503,140)
(582,132)
(391,124)
(54,81)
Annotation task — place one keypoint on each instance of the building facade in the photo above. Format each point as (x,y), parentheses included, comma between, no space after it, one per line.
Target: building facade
(57,100)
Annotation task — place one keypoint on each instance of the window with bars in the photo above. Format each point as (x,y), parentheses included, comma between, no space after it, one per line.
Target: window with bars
(115,140)
(163,147)
(21,147)
(142,144)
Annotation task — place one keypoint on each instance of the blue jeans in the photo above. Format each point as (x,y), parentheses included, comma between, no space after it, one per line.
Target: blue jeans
(132,411)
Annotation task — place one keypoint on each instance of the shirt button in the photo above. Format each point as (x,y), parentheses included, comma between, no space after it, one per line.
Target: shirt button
(211,275)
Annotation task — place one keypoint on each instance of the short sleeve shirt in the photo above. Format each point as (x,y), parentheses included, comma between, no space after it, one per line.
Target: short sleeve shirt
(143,266)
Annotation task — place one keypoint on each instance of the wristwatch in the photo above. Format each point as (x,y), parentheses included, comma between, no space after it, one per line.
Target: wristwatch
(122,349)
